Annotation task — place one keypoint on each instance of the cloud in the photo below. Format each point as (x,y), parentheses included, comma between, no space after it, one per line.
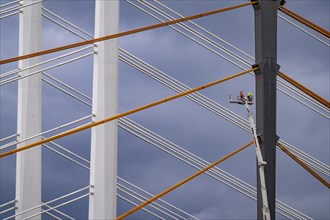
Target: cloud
(209,213)
(182,121)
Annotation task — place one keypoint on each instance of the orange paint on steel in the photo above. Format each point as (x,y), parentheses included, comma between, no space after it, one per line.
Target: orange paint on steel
(304,89)
(305,21)
(124,215)
(84,127)
(294,157)
(121,34)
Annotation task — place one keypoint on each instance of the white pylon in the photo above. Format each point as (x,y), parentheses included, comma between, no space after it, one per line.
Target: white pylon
(28,168)
(103,174)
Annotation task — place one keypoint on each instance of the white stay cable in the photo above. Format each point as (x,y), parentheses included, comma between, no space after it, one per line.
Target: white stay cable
(133,189)
(49,202)
(45,132)
(67,86)
(12,72)
(196,25)
(9,14)
(9,3)
(15,9)
(199,163)
(61,213)
(11,203)
(82,159)
(13,79)
(234,118)
(206,31)
(7,210)
(312,101)
(67,22)
(57,206)
(68,93)
(160,200)
(181,154)
(141,199)
(8,137)
(7,203)
(303,30)
(172,83)
(18,7)
(135,204)
(65,156)
(51,215)
(188,29)
(9,73)
(63,26)
(9,9)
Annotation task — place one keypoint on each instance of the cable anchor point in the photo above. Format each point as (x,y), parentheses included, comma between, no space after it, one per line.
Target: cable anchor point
(258,70)
(255,4)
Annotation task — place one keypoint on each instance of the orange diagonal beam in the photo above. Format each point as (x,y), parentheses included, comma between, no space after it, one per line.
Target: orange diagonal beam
(181,183)
(304,89)
(305,21)
(295,158)
(96,123)
(121,34)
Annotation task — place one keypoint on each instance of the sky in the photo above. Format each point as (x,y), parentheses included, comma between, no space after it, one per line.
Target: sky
(182,121)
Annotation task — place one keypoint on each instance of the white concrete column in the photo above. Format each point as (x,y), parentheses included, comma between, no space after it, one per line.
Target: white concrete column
(28,164)
(103,174)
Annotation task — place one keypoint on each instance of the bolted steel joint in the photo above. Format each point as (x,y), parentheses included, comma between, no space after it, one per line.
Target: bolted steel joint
(258,71)
(256,4)
(259,139)
(91,190)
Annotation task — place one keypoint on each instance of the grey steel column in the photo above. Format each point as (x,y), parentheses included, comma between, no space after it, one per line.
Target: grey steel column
(266,58)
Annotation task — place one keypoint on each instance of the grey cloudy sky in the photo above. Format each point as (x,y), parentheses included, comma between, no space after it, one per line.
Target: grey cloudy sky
(183,122)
